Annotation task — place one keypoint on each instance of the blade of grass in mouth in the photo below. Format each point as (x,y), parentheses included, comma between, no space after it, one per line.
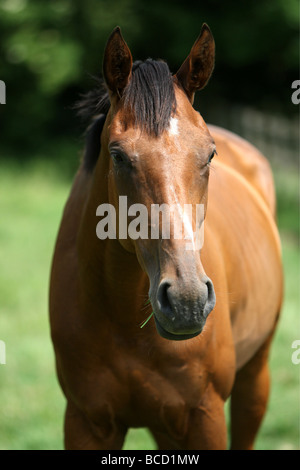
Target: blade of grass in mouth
(146,321)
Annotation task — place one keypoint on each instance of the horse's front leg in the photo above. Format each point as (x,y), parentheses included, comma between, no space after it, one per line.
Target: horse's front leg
(207,425)
(101,433)
(249,399)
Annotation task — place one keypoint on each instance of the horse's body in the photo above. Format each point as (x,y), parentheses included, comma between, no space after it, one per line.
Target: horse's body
(116,375)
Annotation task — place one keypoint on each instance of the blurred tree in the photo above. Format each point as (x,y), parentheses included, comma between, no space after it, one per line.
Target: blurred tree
(48,49)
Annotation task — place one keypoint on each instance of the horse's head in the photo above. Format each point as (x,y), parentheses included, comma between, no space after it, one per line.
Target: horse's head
(160,150)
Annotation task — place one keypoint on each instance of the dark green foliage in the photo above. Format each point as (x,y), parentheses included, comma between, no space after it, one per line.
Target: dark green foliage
(48,50)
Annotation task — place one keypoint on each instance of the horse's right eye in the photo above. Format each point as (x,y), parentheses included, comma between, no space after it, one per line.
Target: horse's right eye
(117,157)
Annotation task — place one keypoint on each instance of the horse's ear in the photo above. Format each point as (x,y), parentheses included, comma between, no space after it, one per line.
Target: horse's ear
(198,66)
(117,62)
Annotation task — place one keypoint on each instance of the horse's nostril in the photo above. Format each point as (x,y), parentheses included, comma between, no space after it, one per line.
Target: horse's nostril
(163,298)
(210,289)
(211,298)
(181,305)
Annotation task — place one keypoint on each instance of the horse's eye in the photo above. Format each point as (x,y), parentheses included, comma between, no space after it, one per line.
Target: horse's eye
(117,157)
(211,157)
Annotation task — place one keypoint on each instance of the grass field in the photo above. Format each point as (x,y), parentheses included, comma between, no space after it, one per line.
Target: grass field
(31,404)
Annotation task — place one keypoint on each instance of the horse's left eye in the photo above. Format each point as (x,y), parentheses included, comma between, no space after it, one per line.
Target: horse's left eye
(211,157)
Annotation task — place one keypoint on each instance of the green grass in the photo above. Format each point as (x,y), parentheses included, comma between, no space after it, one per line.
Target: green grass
(281,426)
(32,406)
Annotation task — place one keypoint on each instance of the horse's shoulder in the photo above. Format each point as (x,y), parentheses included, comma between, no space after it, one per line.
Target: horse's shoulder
(232,194)
(247,160)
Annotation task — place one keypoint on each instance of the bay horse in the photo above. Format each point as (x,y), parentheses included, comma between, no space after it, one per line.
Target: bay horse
(214,310)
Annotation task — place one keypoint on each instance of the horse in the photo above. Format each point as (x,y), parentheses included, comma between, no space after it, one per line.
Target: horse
(214,309)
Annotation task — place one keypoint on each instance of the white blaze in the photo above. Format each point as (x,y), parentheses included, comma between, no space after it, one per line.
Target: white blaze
(173,128)
(184,217)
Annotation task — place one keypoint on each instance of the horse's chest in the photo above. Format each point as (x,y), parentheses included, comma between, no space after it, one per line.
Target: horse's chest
(162,400)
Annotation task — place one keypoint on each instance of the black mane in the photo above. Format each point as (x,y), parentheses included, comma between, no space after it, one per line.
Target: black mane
(149,98)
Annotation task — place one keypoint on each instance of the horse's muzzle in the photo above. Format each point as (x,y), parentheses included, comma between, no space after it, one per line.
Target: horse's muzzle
(181,309)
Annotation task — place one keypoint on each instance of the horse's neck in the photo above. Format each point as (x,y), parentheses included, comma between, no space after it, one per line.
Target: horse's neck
(106,268)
